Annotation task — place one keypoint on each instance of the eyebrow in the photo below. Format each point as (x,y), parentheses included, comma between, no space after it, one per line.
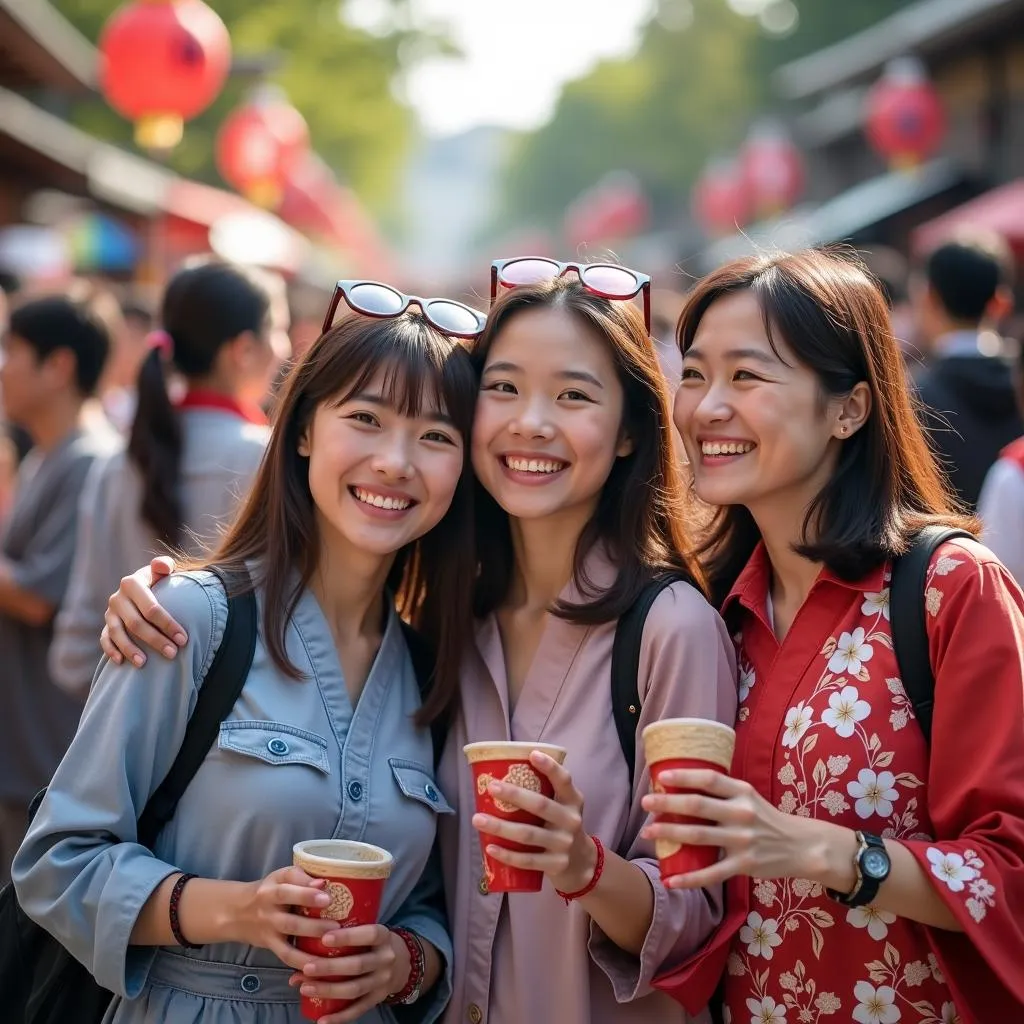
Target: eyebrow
(578,375)
(736,354)
(382,403)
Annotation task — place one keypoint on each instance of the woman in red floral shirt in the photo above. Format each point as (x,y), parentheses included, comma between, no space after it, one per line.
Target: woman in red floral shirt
(867,881)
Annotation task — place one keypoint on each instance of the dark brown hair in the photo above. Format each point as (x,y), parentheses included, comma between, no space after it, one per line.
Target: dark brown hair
(639,516)
(276,528)
(206,305)
(886,486)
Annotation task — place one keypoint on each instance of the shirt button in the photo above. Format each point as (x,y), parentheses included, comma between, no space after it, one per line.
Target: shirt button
(355,790)
(250,983)
(475,1014)
(484,888)
(431,793)
(280,748)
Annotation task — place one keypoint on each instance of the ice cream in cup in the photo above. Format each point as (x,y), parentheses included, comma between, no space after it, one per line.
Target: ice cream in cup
(355,874)
(508,761)
(687,743)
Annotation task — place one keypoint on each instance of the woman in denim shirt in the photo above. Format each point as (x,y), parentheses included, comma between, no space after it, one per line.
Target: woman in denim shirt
(362,493)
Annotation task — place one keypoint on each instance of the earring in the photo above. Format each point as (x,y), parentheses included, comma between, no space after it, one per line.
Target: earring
(842,429)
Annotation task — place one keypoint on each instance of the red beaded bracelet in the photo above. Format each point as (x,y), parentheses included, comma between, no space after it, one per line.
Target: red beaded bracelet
(172,910)
(591,885)
(417,969)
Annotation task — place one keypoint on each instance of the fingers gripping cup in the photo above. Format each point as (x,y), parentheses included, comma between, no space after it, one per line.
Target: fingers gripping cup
(685,743)
(507,761)
(355,874)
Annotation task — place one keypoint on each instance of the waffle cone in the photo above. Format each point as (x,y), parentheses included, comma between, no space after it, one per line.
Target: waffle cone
(508,750)
(341,858)
(694,739)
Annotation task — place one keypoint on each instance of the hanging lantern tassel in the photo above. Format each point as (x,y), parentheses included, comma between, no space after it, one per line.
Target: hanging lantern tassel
(163,62)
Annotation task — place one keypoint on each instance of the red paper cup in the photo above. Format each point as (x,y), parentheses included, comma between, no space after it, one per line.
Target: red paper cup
(506,761)
(355,873)
(685,743)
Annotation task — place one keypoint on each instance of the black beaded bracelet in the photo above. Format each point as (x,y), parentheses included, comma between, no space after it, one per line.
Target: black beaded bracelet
(172,910)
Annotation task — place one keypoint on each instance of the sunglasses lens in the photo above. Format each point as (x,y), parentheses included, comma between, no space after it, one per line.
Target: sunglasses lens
(616,282)
(376,299)
(530,271)
(451,316)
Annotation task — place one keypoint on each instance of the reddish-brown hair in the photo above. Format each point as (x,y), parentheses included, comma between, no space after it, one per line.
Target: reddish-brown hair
(831,313)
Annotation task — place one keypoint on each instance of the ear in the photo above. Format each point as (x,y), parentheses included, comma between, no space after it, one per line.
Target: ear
(625,446)
(303,447)
(61,365)
(1000,306)
(853,411)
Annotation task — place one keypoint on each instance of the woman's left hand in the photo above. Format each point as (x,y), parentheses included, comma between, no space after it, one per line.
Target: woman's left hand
(369,976)
(565,853)
(756,838)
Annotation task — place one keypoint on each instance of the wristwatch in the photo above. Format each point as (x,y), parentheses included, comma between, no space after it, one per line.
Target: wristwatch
(872,865)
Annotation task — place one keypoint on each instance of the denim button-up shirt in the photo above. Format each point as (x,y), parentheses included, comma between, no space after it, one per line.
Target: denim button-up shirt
(295,760)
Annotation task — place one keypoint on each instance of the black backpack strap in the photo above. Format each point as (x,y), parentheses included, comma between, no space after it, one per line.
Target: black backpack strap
(221,688)
(626,666)
(909,621)
(424,665)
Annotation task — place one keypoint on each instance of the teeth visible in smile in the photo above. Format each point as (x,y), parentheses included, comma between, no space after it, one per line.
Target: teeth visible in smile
(379,501)
(727,448)
(533,465)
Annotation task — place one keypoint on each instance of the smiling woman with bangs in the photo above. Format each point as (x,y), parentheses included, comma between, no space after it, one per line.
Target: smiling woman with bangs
(359,504)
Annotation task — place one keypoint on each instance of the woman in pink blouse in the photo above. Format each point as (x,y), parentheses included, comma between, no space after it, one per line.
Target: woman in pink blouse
(582,506)
(872,876)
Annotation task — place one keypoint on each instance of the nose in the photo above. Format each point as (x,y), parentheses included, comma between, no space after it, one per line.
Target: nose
(393,459)
(713,407)
(533,421)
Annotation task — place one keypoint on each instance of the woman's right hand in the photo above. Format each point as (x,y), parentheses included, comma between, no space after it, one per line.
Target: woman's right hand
(134,610)
(264,915)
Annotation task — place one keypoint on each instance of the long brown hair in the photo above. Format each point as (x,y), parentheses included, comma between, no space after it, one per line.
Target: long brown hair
(639,516)
(276,528)
(886,485)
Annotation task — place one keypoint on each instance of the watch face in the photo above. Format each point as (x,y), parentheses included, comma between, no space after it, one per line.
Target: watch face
(875,864)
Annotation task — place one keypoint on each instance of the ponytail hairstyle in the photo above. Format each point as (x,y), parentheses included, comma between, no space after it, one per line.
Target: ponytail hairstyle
(206,305)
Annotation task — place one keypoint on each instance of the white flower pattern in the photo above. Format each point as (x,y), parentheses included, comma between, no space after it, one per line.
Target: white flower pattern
(847,752)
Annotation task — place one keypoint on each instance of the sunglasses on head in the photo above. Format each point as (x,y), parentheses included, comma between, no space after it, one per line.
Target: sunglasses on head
(381,301)
(606,280)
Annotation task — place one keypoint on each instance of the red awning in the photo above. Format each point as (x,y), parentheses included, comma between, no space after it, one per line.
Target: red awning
(1001,210)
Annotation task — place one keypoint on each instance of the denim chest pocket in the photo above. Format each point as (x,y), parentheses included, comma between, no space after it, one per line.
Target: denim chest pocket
(417,783)
(275,743)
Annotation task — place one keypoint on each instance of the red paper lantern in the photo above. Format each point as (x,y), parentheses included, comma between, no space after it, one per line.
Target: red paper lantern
(614,209)
(904,118)
(259,145)
(163,62)
(773,170)
(720,201)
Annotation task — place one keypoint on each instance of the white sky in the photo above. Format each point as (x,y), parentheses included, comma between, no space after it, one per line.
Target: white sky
(517,55)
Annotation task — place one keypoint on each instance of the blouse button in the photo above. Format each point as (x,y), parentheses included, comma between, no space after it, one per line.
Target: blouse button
(475,1014)
(484,888)
(431,793)
(355,790)
(280,748)
(250,983)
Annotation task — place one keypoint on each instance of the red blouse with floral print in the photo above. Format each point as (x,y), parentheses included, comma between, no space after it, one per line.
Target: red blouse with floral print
(826,730)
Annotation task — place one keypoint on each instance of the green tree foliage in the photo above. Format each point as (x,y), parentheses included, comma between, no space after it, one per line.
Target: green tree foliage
(701,74)
(338,76)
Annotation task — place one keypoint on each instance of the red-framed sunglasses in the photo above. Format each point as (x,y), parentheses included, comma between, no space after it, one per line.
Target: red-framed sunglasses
(607,280)
(381,301)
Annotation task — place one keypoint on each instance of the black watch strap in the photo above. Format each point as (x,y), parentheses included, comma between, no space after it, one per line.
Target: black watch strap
(866,888)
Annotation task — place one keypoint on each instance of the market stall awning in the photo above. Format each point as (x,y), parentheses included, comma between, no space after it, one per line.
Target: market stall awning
(1000,210)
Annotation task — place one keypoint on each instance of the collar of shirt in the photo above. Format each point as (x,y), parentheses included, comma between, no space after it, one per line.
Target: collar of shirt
(199,398)
(958,343)
(753,584)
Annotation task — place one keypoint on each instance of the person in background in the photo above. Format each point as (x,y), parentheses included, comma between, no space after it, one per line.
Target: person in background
(54,352)
(967,387)
(186,466)
(1001,505)
(117,389)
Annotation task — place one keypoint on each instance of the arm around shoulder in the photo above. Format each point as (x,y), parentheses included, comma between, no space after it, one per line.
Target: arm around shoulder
(81,872)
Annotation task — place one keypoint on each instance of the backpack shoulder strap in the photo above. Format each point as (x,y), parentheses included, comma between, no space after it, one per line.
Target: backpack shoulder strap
(221,688)
(626,666)
(424,665)
(909,620)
